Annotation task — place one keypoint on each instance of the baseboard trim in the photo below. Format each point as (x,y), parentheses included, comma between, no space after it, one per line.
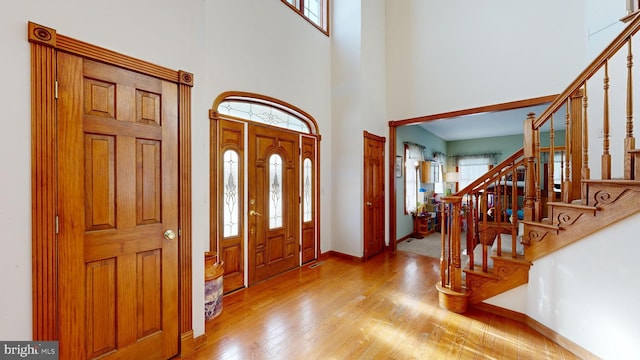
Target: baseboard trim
(404,238)
(187,344)
(574,348)
(331,253)
(200,341)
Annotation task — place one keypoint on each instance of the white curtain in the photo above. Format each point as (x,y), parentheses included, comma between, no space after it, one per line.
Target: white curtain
(413,155)
(472,167)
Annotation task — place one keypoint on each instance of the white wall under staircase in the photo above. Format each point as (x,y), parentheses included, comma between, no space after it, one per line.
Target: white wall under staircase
(587,292)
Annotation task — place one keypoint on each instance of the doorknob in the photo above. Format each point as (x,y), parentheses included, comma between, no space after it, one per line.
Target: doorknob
(169,234)
(254,213)
(368,203)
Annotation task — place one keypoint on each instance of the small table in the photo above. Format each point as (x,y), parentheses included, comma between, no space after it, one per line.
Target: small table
(422,225)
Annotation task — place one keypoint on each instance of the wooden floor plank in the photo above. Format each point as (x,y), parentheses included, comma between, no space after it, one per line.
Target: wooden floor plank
(384,308)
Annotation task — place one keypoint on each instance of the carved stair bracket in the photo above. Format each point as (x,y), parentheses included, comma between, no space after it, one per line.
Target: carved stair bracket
(568,216)
(534,231)
(608,197)
(609,201)
(536,235)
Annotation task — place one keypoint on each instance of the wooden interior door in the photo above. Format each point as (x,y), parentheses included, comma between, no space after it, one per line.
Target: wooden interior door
(273,202)
(373,194)
(118,206)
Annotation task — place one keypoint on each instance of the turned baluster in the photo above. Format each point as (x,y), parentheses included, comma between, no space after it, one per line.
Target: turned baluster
(566,185)
(468,212)
(537,182)
(529,156)
(514,207)
(473,227)
(585,171)
(485,226)
(606,156)
(629,140)
(551,163)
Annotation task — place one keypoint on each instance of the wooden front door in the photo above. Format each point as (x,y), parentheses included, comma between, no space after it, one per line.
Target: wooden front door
(273,202)
(118,212)
(373,194)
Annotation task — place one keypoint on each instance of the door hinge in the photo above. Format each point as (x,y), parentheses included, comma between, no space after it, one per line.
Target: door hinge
(179,232)
(57,225)
(55,90)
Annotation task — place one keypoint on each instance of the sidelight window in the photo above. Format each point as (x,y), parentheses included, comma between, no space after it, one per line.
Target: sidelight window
(307,206)
(230,195)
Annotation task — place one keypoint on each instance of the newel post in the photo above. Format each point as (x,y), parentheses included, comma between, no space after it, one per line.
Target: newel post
(452,295)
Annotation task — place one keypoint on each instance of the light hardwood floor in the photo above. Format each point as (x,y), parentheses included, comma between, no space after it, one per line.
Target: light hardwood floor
(384,308)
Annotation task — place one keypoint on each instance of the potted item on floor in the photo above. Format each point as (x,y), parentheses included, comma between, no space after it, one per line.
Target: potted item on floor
(213,271)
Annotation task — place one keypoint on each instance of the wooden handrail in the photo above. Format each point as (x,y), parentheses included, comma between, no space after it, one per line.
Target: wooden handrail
(493,188)
(491,173)
(595,66)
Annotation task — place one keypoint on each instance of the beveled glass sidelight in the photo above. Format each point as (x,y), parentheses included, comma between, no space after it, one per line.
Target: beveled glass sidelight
(230,173)
(307,206)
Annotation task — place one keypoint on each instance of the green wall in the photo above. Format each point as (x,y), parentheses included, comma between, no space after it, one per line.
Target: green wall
(503,146)
(418,135)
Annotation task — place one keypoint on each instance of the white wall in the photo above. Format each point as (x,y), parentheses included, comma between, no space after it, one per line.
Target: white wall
(227,45)
(358,93)
(586,292)
(346,133)
(163,35)
(374,112)
(452,55)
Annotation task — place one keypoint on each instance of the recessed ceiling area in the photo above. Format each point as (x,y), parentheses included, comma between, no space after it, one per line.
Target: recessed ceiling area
(483,125)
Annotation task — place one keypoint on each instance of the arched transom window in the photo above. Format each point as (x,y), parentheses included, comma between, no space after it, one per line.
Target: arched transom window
(263,113)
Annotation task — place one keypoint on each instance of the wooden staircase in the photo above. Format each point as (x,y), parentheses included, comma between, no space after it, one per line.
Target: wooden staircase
(608,202)
(542,199)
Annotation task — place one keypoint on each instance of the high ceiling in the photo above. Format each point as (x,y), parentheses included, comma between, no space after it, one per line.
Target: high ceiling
(482,125)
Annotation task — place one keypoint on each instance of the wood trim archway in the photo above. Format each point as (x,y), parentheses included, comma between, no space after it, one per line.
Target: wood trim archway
(394,124)
(44,43)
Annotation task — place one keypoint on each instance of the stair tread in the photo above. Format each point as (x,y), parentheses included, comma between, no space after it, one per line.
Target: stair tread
(573,206)
(541,224)
(613,181)
(487,274)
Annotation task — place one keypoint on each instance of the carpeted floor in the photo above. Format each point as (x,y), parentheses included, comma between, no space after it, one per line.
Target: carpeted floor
(427,246)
